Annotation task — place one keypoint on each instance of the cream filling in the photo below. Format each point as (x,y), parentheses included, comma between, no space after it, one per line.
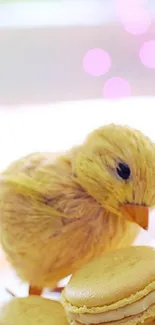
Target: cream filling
(114,315)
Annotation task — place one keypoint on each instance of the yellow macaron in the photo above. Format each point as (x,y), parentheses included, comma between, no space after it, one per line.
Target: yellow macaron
(33,310)
(118,288)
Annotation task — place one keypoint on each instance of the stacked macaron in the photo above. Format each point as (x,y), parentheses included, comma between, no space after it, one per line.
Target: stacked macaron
(118,288)
(33,310)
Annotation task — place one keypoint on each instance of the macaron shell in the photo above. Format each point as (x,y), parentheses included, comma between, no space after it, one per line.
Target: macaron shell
(32,310)
(150,321)
(146,318)
(116,279)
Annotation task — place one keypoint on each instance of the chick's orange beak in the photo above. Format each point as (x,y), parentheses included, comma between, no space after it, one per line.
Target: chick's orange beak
(136,213)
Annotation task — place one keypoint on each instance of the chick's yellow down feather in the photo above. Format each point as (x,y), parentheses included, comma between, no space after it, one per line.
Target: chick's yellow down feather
(57,214)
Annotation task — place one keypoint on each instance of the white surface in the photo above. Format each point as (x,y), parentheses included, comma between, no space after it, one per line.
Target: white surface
(57,127)
(61,13)
(57,13)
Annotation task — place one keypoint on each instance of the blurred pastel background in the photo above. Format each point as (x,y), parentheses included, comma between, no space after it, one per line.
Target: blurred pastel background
(67,67)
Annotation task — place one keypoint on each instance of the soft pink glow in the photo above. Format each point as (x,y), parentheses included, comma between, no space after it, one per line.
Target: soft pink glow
(123,7)
(133,16)
(96,62)
(116,88)
(147,54)
(138,23)
(127,8)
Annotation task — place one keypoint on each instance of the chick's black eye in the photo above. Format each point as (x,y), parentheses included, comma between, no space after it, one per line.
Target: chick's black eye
(123,171)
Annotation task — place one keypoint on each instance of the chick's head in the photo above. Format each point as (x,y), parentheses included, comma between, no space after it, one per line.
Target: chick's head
(117,167)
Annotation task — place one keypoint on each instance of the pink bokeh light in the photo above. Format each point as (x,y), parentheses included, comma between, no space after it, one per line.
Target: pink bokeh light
(138,23)
(147,54)
(116,88)
(96,62)
(124,7)
(133,16)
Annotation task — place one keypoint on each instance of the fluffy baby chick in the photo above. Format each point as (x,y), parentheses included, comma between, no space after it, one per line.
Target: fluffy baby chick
(56,215)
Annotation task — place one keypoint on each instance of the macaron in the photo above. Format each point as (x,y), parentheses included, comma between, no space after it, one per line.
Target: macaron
(118,288)
(32,310)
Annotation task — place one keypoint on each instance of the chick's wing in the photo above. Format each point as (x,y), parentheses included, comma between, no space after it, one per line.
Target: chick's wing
(35,187)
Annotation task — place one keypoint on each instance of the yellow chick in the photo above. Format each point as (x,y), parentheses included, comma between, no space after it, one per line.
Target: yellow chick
(56,215)
(32,311)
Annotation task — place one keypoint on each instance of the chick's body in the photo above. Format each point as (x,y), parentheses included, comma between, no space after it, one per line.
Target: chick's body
(55,213)
(43,246)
